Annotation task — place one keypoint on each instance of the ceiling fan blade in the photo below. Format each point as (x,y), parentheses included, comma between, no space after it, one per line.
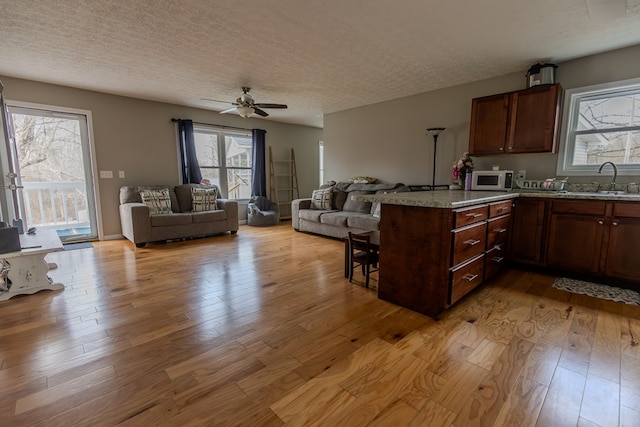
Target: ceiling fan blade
(261,105)
(259,112)
(230,110)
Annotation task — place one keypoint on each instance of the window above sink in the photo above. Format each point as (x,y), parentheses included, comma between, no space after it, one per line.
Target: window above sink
(601,124)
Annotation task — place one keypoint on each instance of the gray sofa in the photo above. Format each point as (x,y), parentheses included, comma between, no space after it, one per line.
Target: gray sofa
(345,214)
(140,227)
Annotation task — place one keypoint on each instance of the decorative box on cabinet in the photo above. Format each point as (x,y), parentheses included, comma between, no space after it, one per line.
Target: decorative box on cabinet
(524,121)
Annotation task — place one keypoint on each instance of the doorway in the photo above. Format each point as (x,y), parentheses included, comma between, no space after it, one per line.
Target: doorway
(49,159)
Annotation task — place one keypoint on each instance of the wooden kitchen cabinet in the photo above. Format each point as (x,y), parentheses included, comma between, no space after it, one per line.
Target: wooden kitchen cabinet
(489,124)
(623,250)
(432,257)
(575,235)
(528,231)
(524,121)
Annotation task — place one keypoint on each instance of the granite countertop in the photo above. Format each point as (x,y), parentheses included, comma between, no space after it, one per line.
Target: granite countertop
(458,199)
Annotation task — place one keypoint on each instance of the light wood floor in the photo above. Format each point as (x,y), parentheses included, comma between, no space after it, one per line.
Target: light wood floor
(261,329)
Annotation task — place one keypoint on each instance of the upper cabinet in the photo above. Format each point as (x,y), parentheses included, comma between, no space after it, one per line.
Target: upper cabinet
(524,121)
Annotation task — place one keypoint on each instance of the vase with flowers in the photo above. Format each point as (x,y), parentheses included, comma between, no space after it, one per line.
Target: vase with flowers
(461,168)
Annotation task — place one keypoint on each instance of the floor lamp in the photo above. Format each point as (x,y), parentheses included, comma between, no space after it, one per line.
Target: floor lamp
(435,132)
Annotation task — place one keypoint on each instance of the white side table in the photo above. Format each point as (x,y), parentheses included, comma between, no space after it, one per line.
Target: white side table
(28,268)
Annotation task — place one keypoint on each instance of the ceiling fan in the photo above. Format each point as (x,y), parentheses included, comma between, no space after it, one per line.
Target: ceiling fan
(245,106)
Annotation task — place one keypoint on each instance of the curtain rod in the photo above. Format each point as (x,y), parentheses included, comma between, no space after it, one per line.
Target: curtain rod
(213,124)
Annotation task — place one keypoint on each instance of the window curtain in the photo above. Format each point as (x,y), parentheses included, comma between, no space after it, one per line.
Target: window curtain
(258,173)
(188,160)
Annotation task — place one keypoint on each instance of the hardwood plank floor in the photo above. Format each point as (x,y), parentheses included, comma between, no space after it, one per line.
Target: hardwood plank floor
(262,329)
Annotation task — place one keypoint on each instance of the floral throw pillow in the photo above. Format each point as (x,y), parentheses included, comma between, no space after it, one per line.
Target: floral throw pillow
(321,199)
(203,199)
(158,201)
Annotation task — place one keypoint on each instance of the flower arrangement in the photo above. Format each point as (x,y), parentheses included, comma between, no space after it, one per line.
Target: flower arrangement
(461,167)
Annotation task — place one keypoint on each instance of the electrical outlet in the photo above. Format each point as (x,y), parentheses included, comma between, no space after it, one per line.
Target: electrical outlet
(120,174)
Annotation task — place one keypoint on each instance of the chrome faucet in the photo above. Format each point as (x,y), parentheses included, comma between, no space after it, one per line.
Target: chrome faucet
(612,186)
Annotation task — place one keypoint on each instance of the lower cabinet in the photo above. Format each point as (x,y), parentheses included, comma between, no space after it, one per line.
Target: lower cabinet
(575,235)
(432,257)
(596,238)
(623,249)
(527,231)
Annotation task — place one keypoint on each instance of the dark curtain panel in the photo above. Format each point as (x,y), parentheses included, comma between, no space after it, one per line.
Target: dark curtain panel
(259,182)
(190,167)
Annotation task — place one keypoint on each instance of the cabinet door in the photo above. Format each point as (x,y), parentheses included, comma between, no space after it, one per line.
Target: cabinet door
(489,121)
(575,242)
(527,231)
(623,251)
(534,120)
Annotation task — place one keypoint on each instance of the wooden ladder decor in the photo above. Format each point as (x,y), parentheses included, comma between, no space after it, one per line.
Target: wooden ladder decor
(283,183)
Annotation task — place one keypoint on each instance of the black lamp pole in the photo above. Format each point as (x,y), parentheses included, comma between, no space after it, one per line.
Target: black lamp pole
(434,132)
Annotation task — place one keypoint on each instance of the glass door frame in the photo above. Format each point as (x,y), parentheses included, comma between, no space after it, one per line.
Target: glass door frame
(91,181)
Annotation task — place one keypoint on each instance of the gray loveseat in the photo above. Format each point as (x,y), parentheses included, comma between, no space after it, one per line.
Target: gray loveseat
(140,227)
(345,214)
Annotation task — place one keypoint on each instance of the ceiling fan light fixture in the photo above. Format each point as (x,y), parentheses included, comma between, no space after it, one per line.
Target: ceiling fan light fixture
(245,111)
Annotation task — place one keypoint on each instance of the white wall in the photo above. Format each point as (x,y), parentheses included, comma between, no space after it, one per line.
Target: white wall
(389,140)
(138,137)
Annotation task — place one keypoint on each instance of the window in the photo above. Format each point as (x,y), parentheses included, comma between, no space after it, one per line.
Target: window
(602,124)
(225,158)
(321,165)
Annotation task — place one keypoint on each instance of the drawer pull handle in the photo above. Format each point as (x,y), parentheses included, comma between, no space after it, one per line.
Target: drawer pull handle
(614,223)
(474,215)
(470,277)
(472,242)
(600,222)
(501,230)
(497,259)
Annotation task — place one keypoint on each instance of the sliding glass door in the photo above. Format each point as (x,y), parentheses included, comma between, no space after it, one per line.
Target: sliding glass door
(48,155)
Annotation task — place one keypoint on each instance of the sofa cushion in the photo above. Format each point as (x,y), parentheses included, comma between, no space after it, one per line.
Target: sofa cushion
(131,194)
(363,221)
(208,216)
(170,219)
(351,205)
(203,199)
(321,199)
(183,195)
(158,201)
(312,214)
(338,199)
(337,218)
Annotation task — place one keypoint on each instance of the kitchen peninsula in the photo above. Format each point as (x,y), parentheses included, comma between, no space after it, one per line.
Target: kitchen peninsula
(437,246)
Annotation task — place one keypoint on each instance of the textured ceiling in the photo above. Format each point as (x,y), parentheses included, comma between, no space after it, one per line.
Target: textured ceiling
(317,57)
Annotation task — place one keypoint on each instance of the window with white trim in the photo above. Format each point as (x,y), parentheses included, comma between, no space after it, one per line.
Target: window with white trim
(602,124)
(225,158)
(321,162)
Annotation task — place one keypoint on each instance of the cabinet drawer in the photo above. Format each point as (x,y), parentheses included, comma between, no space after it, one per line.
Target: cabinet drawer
(468,242)
(498,231)
(626,210)
(470,215)
(499,208)
(465,278)
(587,207)
(494,261)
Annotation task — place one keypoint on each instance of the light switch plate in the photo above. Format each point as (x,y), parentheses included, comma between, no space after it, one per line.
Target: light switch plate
(120,174)
(106,174)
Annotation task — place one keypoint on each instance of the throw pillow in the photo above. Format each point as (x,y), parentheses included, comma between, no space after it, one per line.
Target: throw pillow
(321,199)
(363,180)
(203,199)
(158,201)
(351,205)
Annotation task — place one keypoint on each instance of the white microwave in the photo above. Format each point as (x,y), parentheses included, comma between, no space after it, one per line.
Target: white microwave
(492,180)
